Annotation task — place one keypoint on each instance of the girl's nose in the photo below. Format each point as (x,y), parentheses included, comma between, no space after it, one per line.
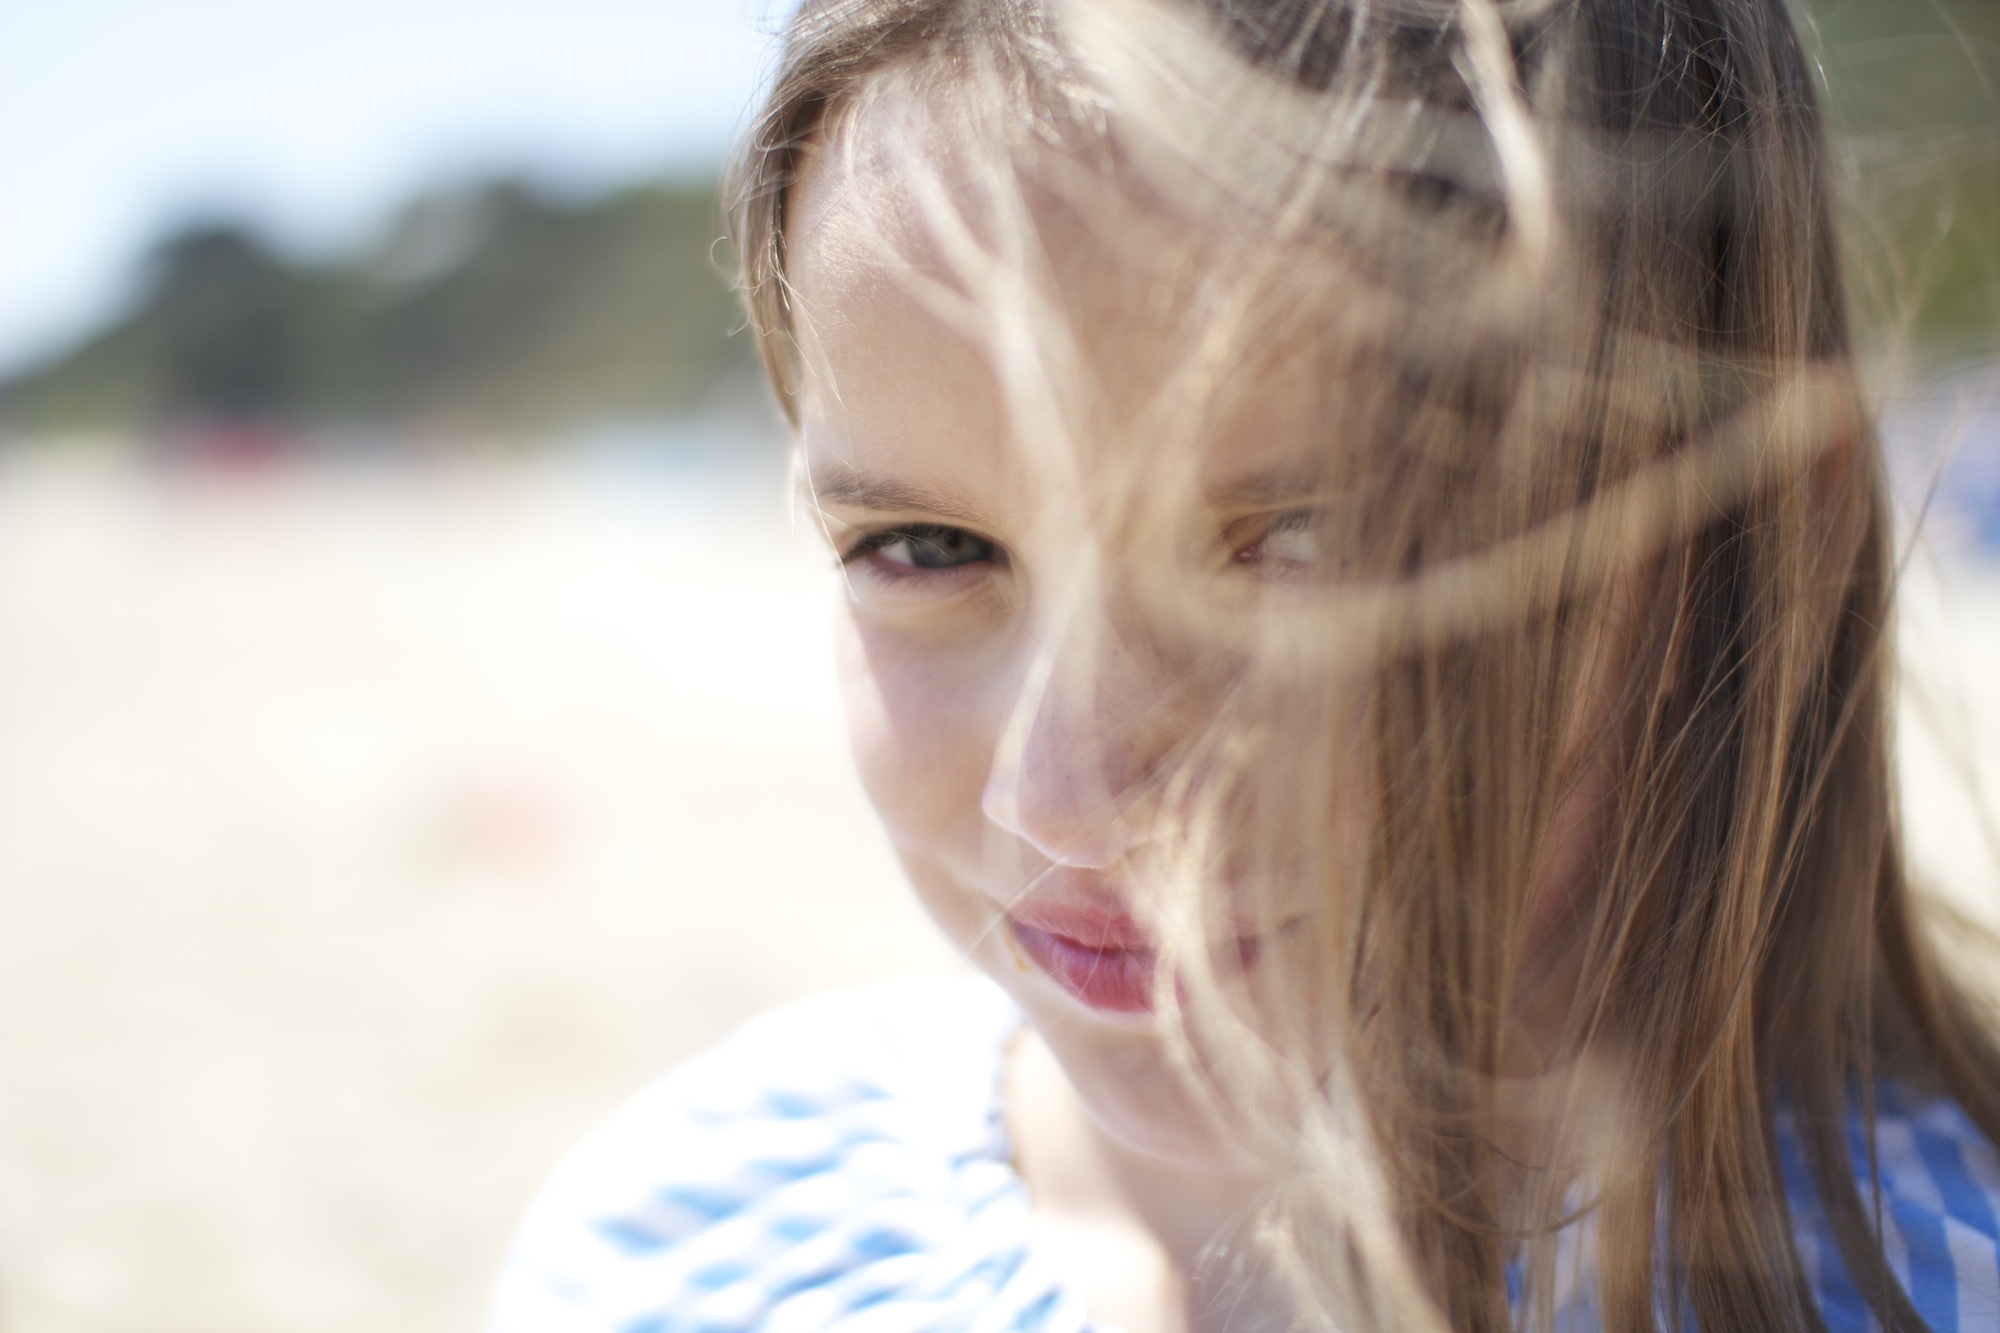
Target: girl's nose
(1076,770)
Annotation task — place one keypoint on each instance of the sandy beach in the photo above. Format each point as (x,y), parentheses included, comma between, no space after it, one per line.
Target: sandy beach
(369,833)
(370,829)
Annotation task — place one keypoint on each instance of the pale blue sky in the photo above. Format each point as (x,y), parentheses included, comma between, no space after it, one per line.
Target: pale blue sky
(314,117)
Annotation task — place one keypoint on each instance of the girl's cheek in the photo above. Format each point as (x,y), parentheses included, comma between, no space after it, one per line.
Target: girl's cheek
(916,719)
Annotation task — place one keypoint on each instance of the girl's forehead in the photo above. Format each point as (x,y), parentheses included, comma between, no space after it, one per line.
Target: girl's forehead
(899,197)
(967,318)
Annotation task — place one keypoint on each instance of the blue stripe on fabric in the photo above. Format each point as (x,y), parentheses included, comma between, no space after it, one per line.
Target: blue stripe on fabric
(842,1269)
(802,1281)
(1963,1199)
(788,1105)
(855,1138)
(630,1236)
(824,1160)
(1036,1315)
(652,1323)
(869,1299)
(716,1276)
(1840,1305)
(796,1227)
(1931,1277)
(708,1204)
(1933,1284)
(882,1243)
(837,1269)
(667,1321)
(1000,1191)
(995,1270)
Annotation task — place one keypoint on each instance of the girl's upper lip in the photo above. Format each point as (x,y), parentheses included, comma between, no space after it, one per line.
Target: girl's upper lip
(1093,927)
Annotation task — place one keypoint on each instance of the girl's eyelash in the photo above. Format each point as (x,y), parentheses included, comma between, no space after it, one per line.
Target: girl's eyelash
(942,536)
(938,535)
(1254,532)
(870,542)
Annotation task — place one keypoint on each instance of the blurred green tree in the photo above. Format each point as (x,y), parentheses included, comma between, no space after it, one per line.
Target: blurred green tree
(493,307)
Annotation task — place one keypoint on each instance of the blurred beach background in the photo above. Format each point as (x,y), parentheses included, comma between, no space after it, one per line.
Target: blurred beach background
(416,722)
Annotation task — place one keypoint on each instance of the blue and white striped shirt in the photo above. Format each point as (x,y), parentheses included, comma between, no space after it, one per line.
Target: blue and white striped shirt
(1940,1206)
(841,1165)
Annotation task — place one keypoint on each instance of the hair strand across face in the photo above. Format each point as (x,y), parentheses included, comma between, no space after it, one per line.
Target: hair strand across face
(1545,760)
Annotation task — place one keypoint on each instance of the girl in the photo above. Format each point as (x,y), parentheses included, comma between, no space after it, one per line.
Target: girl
(1366,587)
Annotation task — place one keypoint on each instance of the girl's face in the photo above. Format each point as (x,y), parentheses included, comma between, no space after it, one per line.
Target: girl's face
(1021,666)
(1052,619)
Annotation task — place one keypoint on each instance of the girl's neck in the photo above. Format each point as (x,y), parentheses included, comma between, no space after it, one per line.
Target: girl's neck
(1126,1230)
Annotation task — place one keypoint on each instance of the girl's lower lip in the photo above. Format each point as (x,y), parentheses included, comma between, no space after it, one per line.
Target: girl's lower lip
(1118,981)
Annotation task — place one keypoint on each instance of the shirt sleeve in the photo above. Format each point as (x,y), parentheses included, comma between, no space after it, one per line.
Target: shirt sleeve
(825,1158)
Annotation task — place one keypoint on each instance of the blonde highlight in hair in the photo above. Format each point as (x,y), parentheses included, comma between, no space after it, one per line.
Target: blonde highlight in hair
(1565,277)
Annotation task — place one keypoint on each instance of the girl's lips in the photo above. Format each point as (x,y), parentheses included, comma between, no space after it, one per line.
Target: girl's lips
(1115,979)
(1102,957)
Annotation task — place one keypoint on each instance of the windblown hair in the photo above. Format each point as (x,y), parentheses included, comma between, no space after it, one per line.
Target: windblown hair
(1607,509)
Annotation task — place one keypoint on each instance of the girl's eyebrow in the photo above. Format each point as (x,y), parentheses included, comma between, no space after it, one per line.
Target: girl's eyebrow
(842,485)
(1276,485)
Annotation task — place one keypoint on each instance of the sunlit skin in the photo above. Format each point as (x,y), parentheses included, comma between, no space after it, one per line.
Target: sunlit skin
(1001,789)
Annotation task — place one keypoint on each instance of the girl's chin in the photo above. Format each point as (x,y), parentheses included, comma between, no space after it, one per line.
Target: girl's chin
(1131,1092)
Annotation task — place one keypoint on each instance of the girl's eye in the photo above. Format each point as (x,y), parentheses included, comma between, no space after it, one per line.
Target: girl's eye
(923,546)
(1286,542)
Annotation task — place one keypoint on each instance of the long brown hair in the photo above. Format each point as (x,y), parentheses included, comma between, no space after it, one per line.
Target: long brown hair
(1591,320)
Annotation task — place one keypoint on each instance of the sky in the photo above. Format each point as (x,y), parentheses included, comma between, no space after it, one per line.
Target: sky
(315,118)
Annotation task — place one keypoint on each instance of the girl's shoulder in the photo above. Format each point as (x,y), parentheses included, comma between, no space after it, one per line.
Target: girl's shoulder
(1939,1191)
(842,1158)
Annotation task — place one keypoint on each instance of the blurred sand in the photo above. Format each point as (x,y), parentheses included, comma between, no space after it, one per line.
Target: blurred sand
(368,834)
(369,831)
